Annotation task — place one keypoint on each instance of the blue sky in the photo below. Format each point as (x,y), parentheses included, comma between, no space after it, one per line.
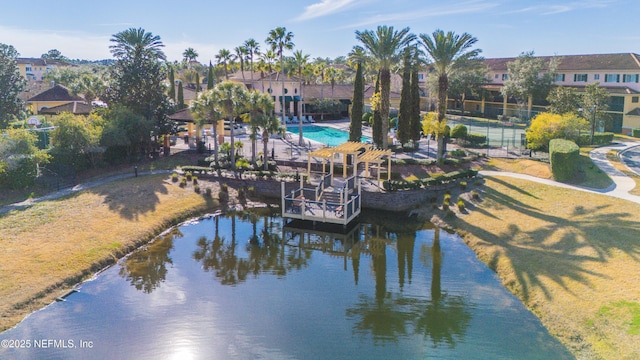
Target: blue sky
(322,28)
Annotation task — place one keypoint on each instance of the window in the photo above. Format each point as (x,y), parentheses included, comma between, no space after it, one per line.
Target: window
(596,76)
(634,99)
(580,77)
(505,77)
(28,69)
(496,76)
(559,77)
(630,78)
(611,77)
(420,77)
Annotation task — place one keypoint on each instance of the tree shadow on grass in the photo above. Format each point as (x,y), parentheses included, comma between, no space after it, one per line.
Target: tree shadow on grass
(561,249)
(133,197)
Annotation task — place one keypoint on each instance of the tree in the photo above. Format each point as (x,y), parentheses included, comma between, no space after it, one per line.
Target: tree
(595,104)
(11,85)
(75,141)
(563,100)
(404,113)
(241,54)
(448,52)
(181,104)
(468,81)
(19,158)
(414,114)
(210,79)
(198,83)
(300,61)
(375,101)
(54,54)
(125,134)
(280,39)
(529,78)
(547,126)
(255,106)
(357,107)
(189,55)
(172,84)
(224,58)
(138,78)
(384,46)
(253,48)
(207,108)
(233,96)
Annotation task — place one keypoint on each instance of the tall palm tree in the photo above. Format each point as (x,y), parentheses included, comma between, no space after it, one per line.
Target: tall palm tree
(206,108)
(280,39)
(385,45)
(224,58)
(241,55)
(189,55)
(300,61)
(448,52)
(254,106)
(234,98)
(137,44)
(253,48)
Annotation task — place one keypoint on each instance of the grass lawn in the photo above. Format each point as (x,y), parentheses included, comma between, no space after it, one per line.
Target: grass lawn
(51,246)
(612,156)
(572,257)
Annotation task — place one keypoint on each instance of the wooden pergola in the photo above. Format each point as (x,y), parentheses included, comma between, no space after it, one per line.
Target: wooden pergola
(361,152)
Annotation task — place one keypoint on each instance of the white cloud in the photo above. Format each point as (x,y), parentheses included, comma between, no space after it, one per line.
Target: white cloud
(324,8)
(450,9)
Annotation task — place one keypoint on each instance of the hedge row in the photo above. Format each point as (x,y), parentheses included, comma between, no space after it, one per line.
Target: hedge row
(564,156)
(393,185)
(598,139)
(635,133)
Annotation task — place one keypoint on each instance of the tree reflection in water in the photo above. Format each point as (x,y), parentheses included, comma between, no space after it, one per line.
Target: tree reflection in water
(263,253)
(443,318)
(147,268)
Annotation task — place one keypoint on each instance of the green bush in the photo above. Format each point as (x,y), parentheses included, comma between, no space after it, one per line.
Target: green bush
(196,169)
(174,177)
(447,199)
(461,204)
(635,133)
(598,139)
(459,132)
(475,195)
(188,175)
(195,180)
(196,188)
(564,156)
(476,139)
(463,185)
(183,182)
(457,153)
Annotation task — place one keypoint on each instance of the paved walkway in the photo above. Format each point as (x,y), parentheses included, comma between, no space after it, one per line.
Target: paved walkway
(622,184)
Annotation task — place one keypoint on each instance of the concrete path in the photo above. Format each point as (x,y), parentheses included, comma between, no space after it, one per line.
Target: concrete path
(622,184)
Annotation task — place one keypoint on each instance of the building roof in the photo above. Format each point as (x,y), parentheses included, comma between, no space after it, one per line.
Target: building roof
(183,115)
(635,112)
(41,62)
(340,92)
(56,93)
(624,61)
(76,108)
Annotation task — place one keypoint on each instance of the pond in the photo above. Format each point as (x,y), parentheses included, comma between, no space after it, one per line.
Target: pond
(249,286)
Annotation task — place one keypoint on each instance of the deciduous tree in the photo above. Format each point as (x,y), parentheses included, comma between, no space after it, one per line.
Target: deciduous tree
(11,85)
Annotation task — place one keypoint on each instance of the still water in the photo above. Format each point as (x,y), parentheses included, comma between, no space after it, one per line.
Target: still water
(247,286)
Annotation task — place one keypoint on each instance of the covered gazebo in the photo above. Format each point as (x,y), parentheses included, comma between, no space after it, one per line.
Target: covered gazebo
(360,152)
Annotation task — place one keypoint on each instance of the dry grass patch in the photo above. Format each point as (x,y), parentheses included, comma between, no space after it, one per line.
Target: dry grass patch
(52,245)
(521,166)
(569,255)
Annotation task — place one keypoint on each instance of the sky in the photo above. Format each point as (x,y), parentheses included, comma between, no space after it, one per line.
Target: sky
(321,28)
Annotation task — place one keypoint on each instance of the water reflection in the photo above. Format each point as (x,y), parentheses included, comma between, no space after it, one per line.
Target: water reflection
(147,268)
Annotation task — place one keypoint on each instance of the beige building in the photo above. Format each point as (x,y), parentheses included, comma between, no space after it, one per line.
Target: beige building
(35,69)
(619,74)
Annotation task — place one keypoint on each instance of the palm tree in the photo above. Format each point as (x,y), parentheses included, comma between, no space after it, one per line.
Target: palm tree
(300,61)
(253,48)
(448,52)
(206,108)
(281,39)
(254,99)
(189,55)
(241,55)
(234,98)
(137,44)
(384,45)
(224,58)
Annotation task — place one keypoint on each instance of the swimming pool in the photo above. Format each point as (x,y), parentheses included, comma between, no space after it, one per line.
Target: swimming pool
(326,135)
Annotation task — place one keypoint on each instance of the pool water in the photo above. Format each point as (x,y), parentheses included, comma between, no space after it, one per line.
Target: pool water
(324,134)
(250,286)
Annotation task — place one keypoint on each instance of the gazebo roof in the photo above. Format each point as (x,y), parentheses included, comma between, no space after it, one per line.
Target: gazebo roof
(350,147)
(374,156)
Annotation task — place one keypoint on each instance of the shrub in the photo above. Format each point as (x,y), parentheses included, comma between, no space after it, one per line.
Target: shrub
(183,182)
(463,185)
(188,175)
(445,206)
(476,139)
(475,195)
(457,153)
(174,177)
(564,156)
(207,192)
(635,133)
(459,132)
(196,188)
(195,180)
(447,199)
(460,204)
